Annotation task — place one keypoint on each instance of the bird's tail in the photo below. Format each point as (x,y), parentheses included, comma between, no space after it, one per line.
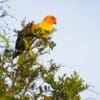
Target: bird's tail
(16,53)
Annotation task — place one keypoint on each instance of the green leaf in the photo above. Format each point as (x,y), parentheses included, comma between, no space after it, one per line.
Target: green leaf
(5,40)
(20,59)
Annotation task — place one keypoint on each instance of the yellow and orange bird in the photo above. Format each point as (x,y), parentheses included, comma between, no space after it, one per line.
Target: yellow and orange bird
(42,29)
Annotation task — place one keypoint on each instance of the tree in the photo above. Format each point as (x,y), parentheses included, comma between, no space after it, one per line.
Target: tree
(20,77)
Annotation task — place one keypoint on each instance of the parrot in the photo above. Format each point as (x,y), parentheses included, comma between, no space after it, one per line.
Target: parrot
(41,30)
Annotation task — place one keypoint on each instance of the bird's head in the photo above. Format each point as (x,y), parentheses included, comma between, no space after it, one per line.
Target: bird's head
(50,19)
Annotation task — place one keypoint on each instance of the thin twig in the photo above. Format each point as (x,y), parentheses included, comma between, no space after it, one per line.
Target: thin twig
(93,91)
(3,1)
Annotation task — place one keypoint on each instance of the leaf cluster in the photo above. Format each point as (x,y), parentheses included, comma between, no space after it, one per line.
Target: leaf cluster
(19,79)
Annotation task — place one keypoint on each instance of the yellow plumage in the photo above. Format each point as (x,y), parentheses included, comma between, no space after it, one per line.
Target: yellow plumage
(45,28)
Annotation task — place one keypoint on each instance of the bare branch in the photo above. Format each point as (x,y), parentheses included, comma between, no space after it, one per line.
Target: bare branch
(3,1)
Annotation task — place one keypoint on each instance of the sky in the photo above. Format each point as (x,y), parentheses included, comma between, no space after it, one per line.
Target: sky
(77,36)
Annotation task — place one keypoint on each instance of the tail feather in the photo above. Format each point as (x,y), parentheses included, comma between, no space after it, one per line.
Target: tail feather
(16,53)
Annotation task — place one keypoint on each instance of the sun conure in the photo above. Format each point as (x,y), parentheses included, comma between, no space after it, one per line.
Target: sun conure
(40,30)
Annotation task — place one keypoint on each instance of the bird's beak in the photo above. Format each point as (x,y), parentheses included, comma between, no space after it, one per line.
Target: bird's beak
(55,22)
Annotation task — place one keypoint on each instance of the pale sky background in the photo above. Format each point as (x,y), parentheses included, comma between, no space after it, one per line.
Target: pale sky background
(77,38)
